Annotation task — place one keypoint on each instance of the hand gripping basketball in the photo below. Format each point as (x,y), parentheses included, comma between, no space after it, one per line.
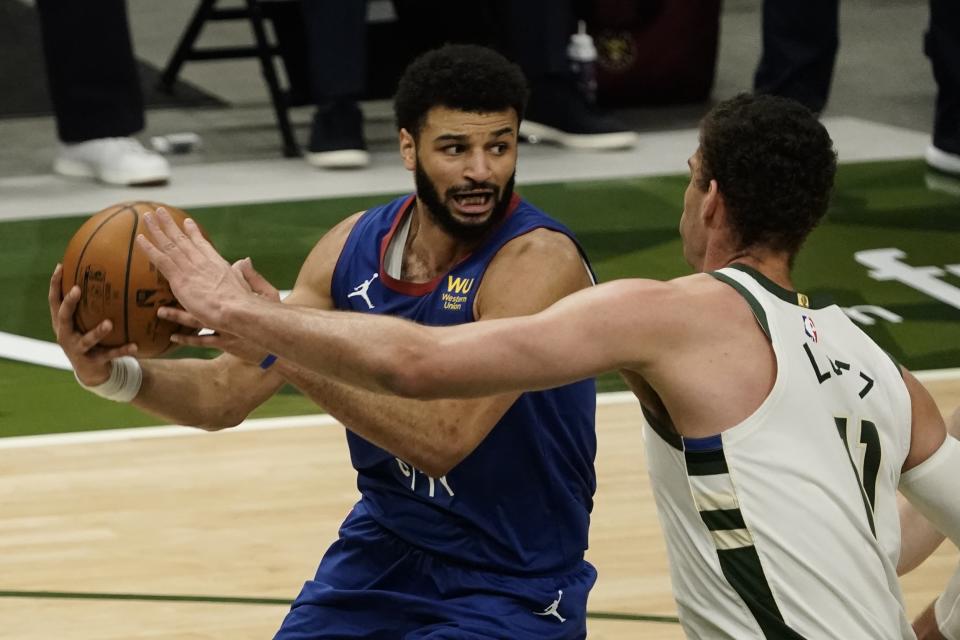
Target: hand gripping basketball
(116,281)
(202,281)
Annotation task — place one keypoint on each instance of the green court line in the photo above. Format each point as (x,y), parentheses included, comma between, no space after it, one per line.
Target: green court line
(147,597)
(632,617)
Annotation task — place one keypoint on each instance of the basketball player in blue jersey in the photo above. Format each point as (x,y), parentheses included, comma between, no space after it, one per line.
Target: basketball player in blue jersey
(474,513)
(778,433)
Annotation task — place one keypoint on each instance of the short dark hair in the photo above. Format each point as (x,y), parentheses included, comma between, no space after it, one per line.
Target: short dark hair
(774,164)
(458,76)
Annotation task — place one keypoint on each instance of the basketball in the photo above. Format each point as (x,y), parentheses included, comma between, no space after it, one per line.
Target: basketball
(117,281)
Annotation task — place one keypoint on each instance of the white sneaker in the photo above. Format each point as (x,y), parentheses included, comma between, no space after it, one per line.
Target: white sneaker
(120,161)
(536,132)
(943,160)
(339,158)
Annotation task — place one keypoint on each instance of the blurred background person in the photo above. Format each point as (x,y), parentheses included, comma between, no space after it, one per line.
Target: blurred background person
(534,33)
(96,94)
(800,42)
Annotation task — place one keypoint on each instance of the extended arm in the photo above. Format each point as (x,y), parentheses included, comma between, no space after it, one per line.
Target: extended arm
(600,329)
(919,537)
(931,476)
(931,471)
(578,337)
(208,393)
(432,435)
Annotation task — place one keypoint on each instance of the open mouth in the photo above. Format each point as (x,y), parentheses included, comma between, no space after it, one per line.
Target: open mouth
(474,201)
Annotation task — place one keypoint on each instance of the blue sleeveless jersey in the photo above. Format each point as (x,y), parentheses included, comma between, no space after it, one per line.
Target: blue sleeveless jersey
(520,502)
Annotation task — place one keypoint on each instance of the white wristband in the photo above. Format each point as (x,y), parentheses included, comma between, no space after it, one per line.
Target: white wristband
(124,382)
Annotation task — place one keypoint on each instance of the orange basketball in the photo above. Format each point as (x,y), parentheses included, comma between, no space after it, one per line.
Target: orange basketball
(117,280)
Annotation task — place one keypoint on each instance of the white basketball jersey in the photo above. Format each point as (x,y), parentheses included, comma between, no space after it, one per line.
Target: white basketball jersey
(786,526)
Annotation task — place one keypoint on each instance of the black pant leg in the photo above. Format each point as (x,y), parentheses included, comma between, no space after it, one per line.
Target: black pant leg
(429,24)
(93,78)
(336,44)
(533,33)
(800,41)
(536,33)
(942,46)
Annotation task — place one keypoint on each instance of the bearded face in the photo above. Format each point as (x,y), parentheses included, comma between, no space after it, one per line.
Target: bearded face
(464,165)
(466,211)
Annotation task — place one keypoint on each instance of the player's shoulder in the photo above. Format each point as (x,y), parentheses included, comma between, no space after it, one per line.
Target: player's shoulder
(704,289)
(648,294)
(529,273)
(375,220)
(681,303)
(334,239)
(345,226)
(313,282)
(541,254)
(541,244)
(691,289)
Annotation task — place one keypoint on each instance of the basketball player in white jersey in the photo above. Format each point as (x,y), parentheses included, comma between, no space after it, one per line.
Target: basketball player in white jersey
(778,433)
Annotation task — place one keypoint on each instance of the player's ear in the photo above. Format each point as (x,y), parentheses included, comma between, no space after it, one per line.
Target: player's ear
(712,207)
(408,150)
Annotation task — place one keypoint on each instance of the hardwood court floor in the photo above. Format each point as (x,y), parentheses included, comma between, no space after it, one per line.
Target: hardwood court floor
(247,514)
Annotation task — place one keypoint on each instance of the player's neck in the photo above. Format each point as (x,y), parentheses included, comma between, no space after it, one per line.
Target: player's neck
(775,266)
(430,250)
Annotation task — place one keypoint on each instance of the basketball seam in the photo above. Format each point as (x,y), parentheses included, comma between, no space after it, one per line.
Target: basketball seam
(89,240)
(126,277)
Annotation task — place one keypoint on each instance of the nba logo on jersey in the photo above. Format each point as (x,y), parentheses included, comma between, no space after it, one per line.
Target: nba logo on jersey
(809,328)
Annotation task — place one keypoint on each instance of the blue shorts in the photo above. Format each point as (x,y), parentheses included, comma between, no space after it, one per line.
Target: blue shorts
(372,585)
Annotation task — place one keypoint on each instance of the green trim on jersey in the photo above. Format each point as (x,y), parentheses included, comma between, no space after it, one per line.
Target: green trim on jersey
(736,552)
(872,448)
(787,295)
(723,519)
(755,305)
(742,569)
(705,463)
(662,429)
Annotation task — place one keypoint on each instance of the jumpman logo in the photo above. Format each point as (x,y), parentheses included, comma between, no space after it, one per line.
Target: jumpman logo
(552,609)
(361,290)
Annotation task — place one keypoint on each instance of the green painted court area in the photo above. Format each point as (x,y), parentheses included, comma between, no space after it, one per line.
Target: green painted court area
(628,227)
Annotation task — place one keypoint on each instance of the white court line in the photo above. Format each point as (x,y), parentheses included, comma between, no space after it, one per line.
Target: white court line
(33,351)
(162,431)
(293,422)
(176,431)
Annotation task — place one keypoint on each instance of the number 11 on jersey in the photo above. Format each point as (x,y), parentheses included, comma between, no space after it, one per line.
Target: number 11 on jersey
(864,454)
